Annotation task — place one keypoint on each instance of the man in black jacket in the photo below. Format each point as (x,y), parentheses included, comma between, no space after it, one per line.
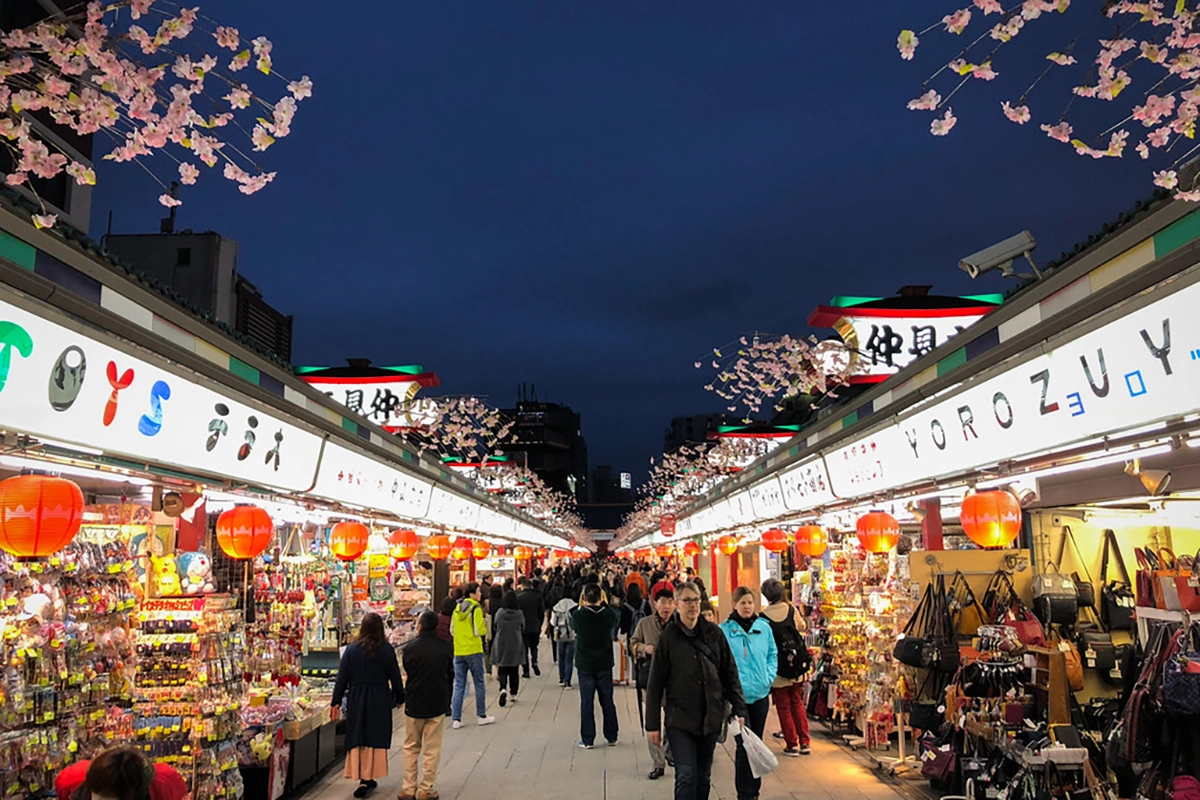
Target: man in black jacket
(429,665)
(534,607)
(693,675)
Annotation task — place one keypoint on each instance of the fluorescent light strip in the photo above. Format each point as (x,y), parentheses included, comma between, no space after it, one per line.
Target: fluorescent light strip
(78,448)
(18,462)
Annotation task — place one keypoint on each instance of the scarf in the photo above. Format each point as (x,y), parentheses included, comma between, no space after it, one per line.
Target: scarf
(745,623)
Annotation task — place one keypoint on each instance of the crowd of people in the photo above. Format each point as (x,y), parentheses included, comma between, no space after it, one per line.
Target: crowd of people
(697,678)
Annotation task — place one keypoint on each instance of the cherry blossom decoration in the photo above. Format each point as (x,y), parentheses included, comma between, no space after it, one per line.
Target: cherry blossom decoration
(1154,46)
(457,427)
(773,369)
(141,72)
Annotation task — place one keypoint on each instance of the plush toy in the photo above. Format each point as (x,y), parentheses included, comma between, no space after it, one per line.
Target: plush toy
(262,746)
(166,576)
(195,573)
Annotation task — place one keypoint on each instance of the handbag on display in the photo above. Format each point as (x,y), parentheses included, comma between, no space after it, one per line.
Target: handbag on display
(967,613)
(1098,652)
(1187,586)
(1117,600)
(1166,596)
(1074,665)
(1085,590)
(1029,629)
(1055,598)
(913,647)
(1147,564)
(942,630)
(1181,674)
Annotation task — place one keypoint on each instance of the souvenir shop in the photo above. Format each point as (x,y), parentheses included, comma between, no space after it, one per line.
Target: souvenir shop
(182,558)
(995,547)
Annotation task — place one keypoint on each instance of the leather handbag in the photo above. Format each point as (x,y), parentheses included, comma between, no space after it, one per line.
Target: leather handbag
(1117,600)
(949,655)
(940,763)
(914,647)
(1181,675)
(1166,596)
(1085,590)
(1074,665)
(1147,563)
(966,612)
(1029,630)
(1187,587)
(1055,599)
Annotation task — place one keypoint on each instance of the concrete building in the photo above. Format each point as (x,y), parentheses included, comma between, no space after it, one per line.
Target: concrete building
(202,269)
(692,430)
(549,439)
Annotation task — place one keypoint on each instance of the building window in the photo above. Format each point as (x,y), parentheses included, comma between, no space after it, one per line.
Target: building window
(183,257)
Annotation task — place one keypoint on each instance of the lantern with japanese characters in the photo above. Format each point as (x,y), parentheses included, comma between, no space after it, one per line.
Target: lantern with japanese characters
(774,540)
(667,525)
(991,519)
(663,551)
(480,549)
(811,541)
(244,531)
(878,531)
(728,545)
(403,544)
(522,552)
(438,546)
(39,515)
(541,552)
(691,549)
(461,548)
(348,540)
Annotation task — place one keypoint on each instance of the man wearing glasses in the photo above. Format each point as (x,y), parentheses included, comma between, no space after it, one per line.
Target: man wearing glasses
(692,674)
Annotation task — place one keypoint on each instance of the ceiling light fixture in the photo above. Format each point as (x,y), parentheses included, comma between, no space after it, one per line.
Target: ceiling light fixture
(1156,481)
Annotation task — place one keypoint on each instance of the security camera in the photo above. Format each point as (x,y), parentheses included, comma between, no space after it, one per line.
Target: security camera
(1000,256)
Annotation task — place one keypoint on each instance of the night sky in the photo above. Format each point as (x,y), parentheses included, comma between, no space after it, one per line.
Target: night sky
(588,196)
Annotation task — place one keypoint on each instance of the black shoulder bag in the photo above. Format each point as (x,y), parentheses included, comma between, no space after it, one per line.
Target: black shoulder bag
(1117,601)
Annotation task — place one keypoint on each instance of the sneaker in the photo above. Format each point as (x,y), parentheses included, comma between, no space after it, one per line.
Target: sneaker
(656,773)
(537,671)
(794,752)
(457,724)
(613,743)
(805,749)
(778,734)
(503,698)
(430,795)
(486,720)
(514,698)
(586,746)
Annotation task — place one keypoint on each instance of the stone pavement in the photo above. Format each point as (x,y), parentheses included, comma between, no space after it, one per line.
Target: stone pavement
(531,753)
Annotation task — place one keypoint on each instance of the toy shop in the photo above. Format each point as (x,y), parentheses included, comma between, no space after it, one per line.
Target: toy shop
(995,548)
(184,554)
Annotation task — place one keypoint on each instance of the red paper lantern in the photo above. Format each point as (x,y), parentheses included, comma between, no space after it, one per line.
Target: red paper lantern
(643,553)
(522,552)
(774,540)
(244,531)
(691,549)
(348,540)
(727,545)
(39,514)
(991,519)
(461,548)
(667,525)
(481,549)
(878,531)
(439,546)
(404,544)
(811,541)
(542,552)
(663,551)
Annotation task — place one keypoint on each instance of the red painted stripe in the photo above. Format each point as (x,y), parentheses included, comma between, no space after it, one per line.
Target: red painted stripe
(827,316)
(425,379)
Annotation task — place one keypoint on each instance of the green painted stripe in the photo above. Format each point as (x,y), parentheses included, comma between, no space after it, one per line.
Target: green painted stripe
(350,425)
(243,370)
(1176,235)
(17,251)
(952,361)
(849,419)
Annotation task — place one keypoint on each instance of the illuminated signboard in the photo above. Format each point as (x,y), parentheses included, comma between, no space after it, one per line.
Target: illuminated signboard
(383,395)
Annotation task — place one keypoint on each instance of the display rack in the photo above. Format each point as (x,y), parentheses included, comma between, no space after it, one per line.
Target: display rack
(189,689)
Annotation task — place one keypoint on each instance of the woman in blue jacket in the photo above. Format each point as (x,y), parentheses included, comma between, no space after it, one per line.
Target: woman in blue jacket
(753,645)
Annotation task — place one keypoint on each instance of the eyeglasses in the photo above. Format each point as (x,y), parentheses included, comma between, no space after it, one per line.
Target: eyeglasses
(691,601)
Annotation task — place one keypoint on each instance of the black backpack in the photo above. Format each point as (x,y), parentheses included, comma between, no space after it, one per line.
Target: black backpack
(794,656)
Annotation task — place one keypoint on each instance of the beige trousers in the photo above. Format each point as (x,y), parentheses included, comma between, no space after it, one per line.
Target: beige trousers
(422,747)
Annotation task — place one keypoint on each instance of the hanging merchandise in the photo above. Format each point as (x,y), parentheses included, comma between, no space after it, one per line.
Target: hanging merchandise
(1117,600)
(1055,598)
(1085,590)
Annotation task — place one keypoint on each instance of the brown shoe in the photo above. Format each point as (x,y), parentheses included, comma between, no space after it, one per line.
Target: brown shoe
(406,796)
(430,795)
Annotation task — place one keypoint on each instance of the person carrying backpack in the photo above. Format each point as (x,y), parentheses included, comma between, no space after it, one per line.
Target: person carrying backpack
(794,663)
(564,637)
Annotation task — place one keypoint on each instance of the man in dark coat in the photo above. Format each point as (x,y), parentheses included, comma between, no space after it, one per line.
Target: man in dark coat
(593,622)
(429,665)
(534,606)
(694,675)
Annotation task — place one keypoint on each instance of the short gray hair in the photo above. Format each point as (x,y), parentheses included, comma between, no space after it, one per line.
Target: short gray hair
(688,586)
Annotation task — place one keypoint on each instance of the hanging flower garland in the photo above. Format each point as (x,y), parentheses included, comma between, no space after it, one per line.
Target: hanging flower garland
(1153,46)
(146,75)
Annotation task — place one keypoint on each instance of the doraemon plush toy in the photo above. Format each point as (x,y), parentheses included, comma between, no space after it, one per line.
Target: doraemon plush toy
(195,573)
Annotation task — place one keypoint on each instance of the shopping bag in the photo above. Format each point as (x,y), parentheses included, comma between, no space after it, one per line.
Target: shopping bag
(762,760)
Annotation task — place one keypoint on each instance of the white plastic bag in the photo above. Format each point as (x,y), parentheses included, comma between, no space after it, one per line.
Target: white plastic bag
(762,760)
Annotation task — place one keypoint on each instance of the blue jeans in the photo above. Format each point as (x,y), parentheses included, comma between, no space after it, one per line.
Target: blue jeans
(693,763)
(591,684)
(461,665)
(566,661)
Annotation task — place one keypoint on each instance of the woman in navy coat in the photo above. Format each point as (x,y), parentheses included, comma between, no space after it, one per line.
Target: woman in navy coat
(370,675)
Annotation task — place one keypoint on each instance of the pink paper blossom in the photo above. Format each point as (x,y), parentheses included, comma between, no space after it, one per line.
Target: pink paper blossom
(907,43)
(989,6)
(84,176)
(1017,114)
(261,139)
(1191,197)
(227,37)
(1061,131)
(168,201)
(1143,150)
(926,102)
(957,22)
(188,173)
(44,220)
(139,7)
(984,71)
(943,125)
(1167,179)
(301,89)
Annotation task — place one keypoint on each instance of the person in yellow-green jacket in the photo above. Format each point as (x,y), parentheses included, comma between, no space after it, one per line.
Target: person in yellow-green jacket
(468,627)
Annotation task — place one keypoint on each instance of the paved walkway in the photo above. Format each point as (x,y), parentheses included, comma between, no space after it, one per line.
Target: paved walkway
(531,753)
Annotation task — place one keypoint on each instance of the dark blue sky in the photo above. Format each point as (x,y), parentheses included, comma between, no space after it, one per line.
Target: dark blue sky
(588,196)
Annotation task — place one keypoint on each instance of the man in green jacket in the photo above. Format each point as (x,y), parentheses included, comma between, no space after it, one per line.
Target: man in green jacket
(593,622)
(468,628)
